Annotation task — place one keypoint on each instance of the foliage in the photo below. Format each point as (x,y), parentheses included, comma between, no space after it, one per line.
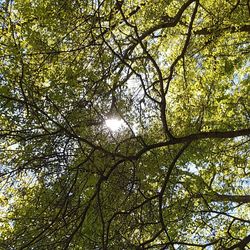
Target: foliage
(176,175)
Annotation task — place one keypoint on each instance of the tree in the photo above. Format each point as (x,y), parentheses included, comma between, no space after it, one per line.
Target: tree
(176,173)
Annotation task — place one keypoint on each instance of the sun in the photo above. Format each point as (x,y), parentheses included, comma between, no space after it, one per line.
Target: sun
(114,124)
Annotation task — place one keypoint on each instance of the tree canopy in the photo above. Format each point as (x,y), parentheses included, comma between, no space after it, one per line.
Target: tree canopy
(174,174)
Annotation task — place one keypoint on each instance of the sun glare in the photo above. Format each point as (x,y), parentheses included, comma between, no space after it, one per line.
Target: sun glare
(114,124)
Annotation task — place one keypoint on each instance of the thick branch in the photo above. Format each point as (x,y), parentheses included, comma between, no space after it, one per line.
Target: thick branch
(207,31)
(196,137)
(171,23)
(240,245)
(224,197)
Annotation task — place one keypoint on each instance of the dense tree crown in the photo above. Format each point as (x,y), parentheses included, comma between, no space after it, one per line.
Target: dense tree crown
(174,173)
